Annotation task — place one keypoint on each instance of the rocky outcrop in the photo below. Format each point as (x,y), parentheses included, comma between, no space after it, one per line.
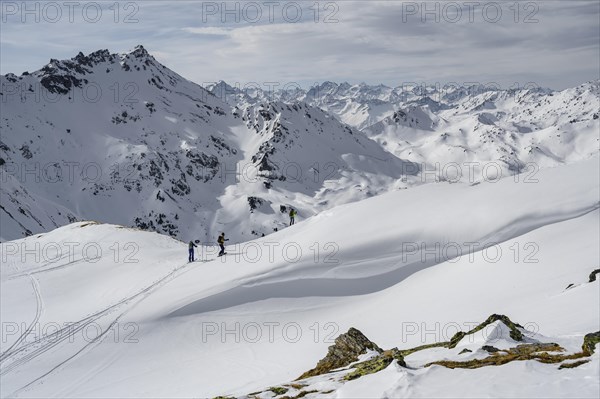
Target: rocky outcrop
(537,351)
(589,342)
(343,352)
(342,358)
(542,352)
(376,364)
(515,334)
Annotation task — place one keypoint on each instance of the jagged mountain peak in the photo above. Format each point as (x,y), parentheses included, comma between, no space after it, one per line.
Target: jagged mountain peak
(139,51)
(173,146)
(82,64)
(104,68)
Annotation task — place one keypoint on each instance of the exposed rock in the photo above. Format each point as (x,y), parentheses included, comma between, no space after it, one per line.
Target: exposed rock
(350,345)
(573,364)
(26,152)
(590,341)
(278,390)
(536,351)
(490,349)
(344,351)
(521,352)
(514,329)
(514,334)
(376,364)
(254,202)
(593,275)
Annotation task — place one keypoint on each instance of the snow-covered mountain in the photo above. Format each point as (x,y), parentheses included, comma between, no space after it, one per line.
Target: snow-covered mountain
(356,105)
(496,132)
(359,105)
(458,133)
(121,138)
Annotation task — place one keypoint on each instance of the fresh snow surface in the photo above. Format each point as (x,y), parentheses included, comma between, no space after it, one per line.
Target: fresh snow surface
(123,314)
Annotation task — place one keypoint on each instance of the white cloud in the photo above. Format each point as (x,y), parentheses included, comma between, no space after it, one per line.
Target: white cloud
(373,42)
(210,30)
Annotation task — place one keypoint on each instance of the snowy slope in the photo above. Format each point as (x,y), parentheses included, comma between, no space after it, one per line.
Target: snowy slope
(368,274)
(304,158)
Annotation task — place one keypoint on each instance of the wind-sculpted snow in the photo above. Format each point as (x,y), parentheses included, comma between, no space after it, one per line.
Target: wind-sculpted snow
(120,311)
(403,243)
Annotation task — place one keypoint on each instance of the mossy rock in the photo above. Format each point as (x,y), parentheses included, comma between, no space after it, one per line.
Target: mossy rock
(345,350)
(490,349)
(278,390)
(590,341)
(406,352)
(456,338)
(573,364)
(513,327)
(537,351)
(376,364)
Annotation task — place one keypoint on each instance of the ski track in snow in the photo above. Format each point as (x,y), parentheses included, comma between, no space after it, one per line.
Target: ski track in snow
(43,269)
(37,348)
(38,313)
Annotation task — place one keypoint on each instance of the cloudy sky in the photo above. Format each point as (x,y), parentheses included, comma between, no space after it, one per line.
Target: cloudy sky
(548,43)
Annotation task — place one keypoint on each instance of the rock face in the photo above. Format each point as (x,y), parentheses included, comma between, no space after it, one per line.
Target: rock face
(344,351)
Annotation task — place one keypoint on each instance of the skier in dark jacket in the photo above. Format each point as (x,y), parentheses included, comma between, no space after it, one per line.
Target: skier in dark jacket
(221,240)
(293,214)
(191,247)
